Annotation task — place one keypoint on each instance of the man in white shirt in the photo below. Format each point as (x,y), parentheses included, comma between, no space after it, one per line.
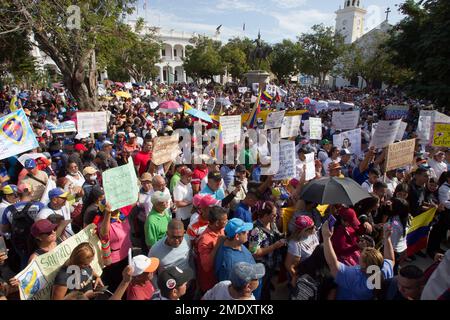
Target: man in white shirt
(374,176)
(438,164)
(182,196)
(58,205)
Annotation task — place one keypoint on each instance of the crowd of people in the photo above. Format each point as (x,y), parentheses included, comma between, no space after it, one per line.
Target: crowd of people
(217,231)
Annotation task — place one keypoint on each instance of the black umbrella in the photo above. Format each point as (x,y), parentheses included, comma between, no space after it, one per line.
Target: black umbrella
(332,190)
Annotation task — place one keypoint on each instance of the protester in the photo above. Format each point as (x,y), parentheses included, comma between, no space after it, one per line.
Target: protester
(172,283)
(44,238)
(243,281)
(206,247)
(158,218)
(182,197)
(34,177)
(81,258)
(141,286)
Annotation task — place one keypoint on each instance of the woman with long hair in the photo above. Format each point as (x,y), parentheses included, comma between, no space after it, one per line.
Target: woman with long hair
(400,221)
(78,265)
(264,243)
(93,206)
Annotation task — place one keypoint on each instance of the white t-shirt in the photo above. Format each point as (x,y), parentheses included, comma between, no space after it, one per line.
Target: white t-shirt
(145,201)
(77,181)
(303,248)
(182,192)
(64,212)
(221,292)
(367,186)
(397,238)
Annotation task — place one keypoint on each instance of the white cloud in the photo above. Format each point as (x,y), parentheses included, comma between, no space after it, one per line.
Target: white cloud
(295,23)
(289,4)
(238,5)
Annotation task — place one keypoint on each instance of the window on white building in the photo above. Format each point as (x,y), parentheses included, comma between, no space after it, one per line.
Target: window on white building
(163,52)
(174,53)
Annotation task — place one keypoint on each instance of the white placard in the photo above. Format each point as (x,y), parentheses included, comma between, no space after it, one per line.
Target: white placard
(271,89)
(274,119)
(290,126)
(350,140)
(310,168)
(385,133)
(242,90)
(345,120)
(286,160)
(315,128)
(424,125)
(401,131)
(91,122)
(231,129)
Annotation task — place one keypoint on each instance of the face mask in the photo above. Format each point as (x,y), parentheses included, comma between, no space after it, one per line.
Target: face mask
(93,178)
(73,173)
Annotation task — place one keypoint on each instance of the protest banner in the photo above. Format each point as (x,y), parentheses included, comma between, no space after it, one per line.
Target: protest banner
(120,185)
(345,120)
(290,126)
(274,119)
(441,135)
(396,112)
(231,129)
(165,149)
(310,168)
(321,105)
(287,160)
(400,154)
(315,128)
(385,133)
(347,106)
(36,280)
(66,126)
(91,122)
(350,140)
(425,125)
(271,89)
(16,135)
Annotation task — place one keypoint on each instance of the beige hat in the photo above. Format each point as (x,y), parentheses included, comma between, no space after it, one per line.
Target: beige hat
(146,177)
(89,170)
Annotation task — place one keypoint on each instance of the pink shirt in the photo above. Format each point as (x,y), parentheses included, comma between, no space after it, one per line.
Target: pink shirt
(120,242)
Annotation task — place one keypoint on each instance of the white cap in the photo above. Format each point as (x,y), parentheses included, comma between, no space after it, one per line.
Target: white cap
(107,143)
(143,264)
(80,136)
(132,135)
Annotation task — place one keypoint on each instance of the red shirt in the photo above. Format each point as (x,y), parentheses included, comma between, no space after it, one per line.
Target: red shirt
(198,175)
(205,262)
(140,292)
(141,159)
(345,245)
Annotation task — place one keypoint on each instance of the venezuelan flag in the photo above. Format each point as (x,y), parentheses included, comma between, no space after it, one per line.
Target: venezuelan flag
(417,236)
(265,96)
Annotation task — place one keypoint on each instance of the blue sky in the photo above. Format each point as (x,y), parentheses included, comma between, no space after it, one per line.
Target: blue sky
(277,19)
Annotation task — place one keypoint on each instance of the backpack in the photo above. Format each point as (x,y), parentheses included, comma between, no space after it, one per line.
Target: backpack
(21,223)
(306,288)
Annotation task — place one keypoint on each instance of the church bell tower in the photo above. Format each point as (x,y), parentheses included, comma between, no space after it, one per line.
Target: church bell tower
(350,20)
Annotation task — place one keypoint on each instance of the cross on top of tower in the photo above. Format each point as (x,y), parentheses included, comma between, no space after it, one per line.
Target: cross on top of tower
(388,10)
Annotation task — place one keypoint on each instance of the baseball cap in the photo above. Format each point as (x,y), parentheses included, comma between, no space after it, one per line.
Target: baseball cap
(235,226)
(80,147)
(244,272)
(303,222)
(30,164)
(215,176)
(24,186)
(131,135)
(334,165)
(143,264)
(173,277)
(207,200)
(240,168)
(349,215)
(10,189)
(146,177)
(89,170)
(107,143)
(57,193)
(344,152)
(159,197)
(325,141)
(41,227)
